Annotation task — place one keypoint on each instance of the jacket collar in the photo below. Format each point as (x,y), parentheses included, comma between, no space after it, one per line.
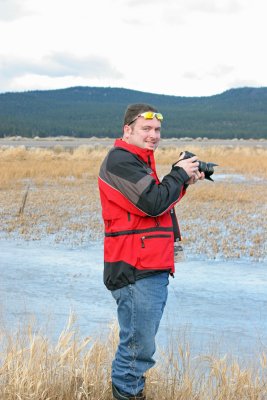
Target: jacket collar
(145,154)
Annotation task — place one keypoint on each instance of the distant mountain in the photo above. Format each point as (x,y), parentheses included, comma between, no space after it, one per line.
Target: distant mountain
(98,111)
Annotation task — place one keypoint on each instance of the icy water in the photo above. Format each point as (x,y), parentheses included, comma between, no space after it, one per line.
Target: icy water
(217,306)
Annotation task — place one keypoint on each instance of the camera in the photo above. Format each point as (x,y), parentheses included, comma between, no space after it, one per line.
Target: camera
(207,168)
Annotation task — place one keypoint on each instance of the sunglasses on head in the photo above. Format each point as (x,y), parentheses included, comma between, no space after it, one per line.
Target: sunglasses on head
(148,115)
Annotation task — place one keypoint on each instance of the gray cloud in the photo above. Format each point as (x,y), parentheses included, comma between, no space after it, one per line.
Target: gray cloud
(133,3)
(60,64)
(205,6)
(210,6)
(218,71)
(237,83)
(178,13)
(11,10)
(172,12)
(192,75)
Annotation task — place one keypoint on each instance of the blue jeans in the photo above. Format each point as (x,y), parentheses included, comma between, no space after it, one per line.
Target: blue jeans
(140,308)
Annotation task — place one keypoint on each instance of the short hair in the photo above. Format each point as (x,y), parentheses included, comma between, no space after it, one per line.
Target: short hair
(133,110)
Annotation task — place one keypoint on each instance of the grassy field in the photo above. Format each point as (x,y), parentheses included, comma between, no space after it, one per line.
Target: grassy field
(79,369)
(52,192)
(222,219)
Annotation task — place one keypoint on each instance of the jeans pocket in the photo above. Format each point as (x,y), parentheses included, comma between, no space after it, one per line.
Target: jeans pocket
(116,294)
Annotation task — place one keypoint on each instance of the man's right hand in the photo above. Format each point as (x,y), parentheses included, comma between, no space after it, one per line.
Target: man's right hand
(190,165)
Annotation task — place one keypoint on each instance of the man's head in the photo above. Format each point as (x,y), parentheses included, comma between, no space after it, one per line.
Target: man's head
(142,124)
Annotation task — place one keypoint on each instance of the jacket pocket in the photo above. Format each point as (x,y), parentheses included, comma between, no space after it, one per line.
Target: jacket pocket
(148,237)
(156,251)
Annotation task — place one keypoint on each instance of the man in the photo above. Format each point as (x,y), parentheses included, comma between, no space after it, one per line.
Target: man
(140,230)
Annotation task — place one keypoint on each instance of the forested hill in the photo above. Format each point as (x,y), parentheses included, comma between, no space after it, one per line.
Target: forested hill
(92,111)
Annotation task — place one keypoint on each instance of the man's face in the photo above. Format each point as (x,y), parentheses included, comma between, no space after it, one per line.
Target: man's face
(144,133)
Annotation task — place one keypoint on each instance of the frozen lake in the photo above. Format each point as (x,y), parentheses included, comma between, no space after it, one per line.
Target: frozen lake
(218,306)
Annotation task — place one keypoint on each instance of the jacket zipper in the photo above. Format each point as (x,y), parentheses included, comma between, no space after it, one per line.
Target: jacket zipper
(143,238)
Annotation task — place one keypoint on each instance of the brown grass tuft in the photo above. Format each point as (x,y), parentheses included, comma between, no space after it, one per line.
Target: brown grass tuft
(63,198)
(79,369)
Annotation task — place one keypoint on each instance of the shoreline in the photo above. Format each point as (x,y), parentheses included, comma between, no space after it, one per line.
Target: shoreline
(72,142)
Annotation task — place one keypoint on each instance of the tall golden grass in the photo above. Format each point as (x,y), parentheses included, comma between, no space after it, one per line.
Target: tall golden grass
(74,368)
(48,164)
(235,159)
(41,164)
(224,218)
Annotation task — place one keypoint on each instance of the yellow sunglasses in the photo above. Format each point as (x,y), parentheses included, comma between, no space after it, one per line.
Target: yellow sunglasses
(148,115)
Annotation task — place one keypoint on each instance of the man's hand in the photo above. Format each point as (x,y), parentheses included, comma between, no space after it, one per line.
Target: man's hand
(195,177)
(190,165)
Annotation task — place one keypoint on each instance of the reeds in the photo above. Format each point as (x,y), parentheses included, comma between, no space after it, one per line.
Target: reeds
(222,219)
(73,368)
(247,160)
(33,368)
(40,164)
(225,219)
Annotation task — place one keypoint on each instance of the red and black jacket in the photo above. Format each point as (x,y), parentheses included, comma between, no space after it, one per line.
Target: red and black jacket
(138,213)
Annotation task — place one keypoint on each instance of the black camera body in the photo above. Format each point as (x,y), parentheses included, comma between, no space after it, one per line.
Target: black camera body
(207,168)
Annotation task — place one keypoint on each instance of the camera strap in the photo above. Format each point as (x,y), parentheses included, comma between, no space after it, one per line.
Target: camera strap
(176,228)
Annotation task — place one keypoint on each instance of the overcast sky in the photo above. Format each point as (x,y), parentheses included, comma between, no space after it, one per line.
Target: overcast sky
(177,47)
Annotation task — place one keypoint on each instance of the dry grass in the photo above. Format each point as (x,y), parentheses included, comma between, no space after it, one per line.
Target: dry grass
(221,219)
(33,368)
(41,164)
(235,159)
(79,369)
(19,163)
(225,219)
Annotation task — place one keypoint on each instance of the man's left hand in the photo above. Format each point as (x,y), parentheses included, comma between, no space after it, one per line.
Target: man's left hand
(197,176)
